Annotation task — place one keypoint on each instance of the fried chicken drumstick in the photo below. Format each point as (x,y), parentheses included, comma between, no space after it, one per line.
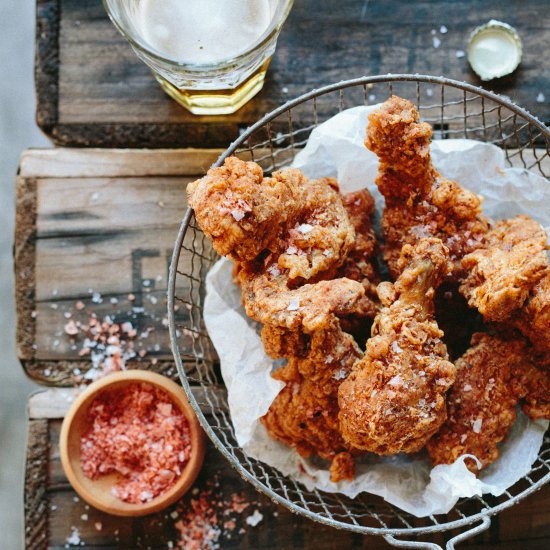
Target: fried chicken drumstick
(420,202)
(394,399)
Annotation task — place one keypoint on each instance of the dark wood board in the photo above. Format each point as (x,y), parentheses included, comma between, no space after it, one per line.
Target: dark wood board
(52,508)
(93,91)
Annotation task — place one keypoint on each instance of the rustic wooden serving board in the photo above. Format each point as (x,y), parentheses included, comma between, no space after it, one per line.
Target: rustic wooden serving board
(95,226)
(93,91)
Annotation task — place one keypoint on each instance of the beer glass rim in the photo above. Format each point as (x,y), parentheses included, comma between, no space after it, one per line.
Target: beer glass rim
(138,43)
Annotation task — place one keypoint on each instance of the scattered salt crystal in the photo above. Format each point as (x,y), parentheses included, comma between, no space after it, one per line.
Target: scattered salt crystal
(429,92)
(443,29)
(433,32)
(34,314)
(327,253)
(71,329)
(152,299)
(339,375)
(467,387)
(476,426)
(284,90)
(54,306)
(436,42)
(396,380)
(146,283)
(460,54)
(79,305)
(305,228)
(76,371)
(74,538)
(373,393)
(274,270)
(96,298)
(463,438)
(291,250)
(174,514)
(55,292)
(540,98)
(53,507)
(238,215)
(294,305)
(47,372)
(114,300)
(55,343)
(84,517)
(254,519)
(395,347)
(422,373)
(95,196)
(329,359)
(372,97)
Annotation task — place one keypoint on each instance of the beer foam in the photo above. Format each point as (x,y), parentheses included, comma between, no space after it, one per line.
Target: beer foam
(201,31)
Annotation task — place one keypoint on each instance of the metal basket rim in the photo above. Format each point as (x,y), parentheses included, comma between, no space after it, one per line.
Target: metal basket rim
(245,474)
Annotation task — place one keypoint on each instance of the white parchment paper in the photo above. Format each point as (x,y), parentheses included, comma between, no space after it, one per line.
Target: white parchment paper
(336,149)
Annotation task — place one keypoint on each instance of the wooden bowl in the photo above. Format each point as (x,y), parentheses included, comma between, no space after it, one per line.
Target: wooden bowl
(98,492)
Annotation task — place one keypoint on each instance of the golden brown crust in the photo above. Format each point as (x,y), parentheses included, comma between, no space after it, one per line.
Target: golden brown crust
(420,202)
(502,273)
(304,414)
(533,320)
(394,399)
(481,404)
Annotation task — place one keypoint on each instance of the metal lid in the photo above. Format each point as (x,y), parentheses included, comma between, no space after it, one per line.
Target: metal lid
(494,50)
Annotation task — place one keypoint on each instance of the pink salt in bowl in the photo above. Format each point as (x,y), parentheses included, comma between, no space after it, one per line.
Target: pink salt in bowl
(77,423)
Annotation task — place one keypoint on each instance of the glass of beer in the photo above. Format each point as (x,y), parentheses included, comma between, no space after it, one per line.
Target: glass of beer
(211,56)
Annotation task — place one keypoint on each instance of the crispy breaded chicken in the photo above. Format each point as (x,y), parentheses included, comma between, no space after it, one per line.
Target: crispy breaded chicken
(493,376)
(420,202)
(304,414)
(507,266)
(246,214)
(482,401)
(394,399)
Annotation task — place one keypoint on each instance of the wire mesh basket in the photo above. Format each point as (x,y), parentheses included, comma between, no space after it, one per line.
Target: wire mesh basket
(455,110)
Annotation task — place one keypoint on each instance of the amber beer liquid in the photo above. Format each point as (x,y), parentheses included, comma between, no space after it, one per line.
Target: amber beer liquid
(209,55)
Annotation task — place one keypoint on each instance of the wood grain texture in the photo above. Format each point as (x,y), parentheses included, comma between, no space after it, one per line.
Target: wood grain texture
(93,91)
(81,238)
(36,499)
(53,509)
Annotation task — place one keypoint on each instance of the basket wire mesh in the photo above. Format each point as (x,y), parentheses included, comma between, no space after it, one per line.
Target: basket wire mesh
(455,110)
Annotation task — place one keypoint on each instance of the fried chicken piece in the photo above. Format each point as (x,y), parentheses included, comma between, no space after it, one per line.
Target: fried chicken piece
(394,399)
(304,414)
(482,402)
(533,319)
(535,382)
(268,300)
(246,214)
(492,377)
(241,211)
(420,202)
(502,273)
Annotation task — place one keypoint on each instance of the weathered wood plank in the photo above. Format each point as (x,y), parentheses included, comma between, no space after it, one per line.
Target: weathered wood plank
(523,526)
(99,246)
(94,91)
(90,163)
(36,500)
(54,403)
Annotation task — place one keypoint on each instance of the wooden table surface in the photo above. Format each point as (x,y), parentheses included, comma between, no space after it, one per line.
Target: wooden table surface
(97,227)
(93,91)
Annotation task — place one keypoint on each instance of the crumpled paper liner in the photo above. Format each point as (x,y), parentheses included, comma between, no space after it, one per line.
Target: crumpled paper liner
(336,149)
